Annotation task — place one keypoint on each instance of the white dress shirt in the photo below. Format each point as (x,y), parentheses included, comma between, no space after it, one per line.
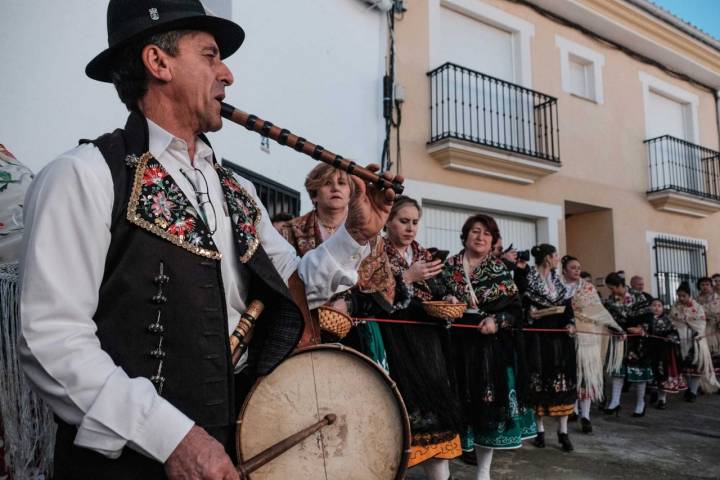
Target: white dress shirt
(68,212)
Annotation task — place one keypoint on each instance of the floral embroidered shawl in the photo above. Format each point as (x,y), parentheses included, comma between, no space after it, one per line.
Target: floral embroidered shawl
(491,280)
(399,264)
(303,233)
(537,290)
(14,181)
(630,310)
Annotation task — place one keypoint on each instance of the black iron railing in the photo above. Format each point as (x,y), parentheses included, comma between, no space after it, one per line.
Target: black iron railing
(472,106)
(682,166)
(276,197)
(678,260)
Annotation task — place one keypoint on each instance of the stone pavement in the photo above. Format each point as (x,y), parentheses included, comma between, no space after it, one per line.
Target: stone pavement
(682,442)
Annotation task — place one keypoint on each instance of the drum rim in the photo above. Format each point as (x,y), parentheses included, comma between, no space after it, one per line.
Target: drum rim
(389,381)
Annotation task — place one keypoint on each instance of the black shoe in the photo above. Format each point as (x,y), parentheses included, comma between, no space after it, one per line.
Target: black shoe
(469,457)
(539,441)
(610,411)
(573,417)
(661,405)
(586,425)
(641,414)
(564,440)
(690,397)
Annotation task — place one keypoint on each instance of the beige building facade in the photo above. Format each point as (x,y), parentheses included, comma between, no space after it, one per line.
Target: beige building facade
(588,124)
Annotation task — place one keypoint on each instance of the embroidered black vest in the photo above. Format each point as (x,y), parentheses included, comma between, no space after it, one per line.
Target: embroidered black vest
(161,311)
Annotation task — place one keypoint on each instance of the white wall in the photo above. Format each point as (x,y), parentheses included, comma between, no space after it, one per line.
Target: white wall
(312,67)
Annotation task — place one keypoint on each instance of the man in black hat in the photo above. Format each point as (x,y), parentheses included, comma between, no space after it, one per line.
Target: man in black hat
(142,252)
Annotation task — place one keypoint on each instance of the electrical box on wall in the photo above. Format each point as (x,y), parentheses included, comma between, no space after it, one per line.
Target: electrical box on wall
(382,5)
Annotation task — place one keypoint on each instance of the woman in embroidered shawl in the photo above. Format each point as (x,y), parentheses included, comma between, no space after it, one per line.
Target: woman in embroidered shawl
(593,324)
(631,310)
(688,317)
(489,362)
(330,190)
(664,348)
(551,355)
(709,299)
(417,355)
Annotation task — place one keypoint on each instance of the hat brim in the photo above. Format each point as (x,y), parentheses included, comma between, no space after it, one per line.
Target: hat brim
(228,35)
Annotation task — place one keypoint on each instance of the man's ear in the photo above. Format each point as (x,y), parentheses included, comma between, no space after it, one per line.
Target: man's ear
(156,62)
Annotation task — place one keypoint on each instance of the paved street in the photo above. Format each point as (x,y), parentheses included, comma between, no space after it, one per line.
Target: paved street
(680,442)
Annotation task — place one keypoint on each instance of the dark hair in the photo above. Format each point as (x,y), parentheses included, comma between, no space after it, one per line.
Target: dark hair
(281,217)
(567,259)
(615,280)
(703,280)
(585,275)
(540,252)
(683,287)
(716,275)
(657,299)
(403,201)
(486,221)
(128,70)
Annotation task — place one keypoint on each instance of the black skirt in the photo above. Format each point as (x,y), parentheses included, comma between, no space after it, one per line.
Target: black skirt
(418,361)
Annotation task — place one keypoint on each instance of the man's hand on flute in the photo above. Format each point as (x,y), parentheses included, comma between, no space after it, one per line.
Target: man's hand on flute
(369,207)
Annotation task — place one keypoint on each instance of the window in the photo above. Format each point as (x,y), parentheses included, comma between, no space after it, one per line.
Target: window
(669,110)
(443,225)
(581,70)
(581,80)
(677,260)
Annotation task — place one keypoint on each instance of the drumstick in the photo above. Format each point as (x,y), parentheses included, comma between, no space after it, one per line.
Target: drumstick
(283,446)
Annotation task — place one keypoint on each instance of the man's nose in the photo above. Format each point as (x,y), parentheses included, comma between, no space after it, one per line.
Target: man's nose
(225,75)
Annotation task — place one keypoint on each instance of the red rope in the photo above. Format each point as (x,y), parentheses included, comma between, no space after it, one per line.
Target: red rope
(475,327)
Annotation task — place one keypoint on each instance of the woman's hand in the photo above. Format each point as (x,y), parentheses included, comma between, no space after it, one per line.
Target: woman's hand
(422,270)
(488,326)
(635,330)
(451,299)
(571,329)
(533,313)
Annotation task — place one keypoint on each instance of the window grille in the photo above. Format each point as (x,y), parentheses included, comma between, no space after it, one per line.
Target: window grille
(676,261)
(276,197)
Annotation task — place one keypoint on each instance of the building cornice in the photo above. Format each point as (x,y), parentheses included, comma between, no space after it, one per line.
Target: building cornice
(625,23)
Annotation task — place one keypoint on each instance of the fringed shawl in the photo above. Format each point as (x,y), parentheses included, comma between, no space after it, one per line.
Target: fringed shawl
(592,320)
(711,305)
(689,320)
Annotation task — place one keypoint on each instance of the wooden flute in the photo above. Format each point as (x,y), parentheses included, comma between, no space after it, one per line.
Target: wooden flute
(285,137)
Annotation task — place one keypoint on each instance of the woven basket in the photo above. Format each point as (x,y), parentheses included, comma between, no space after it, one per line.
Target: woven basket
(441,309)
(334,322)
(546,312)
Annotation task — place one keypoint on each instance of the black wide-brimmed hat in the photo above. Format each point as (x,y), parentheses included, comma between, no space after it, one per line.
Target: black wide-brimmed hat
(130,20)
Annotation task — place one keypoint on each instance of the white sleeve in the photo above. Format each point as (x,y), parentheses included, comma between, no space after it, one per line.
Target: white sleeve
(328,269)
(68,212)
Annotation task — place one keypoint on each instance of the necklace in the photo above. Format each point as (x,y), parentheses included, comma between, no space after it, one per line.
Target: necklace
(329,229)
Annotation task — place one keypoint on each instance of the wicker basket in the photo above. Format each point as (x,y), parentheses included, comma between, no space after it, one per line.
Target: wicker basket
(546,312)
(334,322)
(441,309)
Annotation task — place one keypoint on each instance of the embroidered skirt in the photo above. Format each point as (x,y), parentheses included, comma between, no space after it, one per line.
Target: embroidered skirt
(507,435)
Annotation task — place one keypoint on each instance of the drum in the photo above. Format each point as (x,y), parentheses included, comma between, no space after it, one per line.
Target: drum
(370,439)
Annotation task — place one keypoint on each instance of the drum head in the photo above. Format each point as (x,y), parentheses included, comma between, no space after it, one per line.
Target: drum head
(369,440)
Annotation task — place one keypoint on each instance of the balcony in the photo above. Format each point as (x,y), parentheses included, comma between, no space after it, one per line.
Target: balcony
(684,177)
(486,126)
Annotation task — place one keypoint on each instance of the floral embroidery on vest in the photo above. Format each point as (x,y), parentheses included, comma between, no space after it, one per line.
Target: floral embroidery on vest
(245,214)
(159,206)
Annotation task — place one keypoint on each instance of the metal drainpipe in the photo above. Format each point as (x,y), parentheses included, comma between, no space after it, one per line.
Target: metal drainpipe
(716,94)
